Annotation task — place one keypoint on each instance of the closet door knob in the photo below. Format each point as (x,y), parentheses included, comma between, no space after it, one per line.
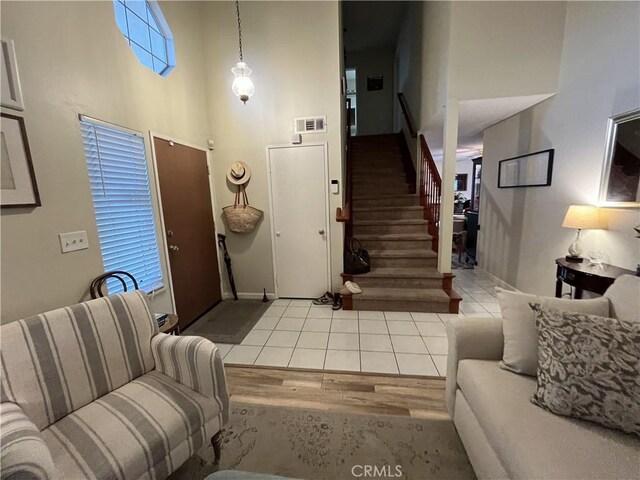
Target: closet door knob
(321,232)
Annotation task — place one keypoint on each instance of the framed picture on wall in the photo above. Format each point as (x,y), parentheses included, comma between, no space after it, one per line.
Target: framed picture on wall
(620,183)
(18,186)
(461,182)
(530,170)
(10,92)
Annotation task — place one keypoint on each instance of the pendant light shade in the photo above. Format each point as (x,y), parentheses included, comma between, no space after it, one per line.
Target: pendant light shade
(242,85)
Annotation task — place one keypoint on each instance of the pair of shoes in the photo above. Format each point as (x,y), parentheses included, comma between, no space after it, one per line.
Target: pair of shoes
(350,288)
(337,302)
(325,299)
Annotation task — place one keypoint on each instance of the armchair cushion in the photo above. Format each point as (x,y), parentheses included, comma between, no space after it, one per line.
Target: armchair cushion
(144,429)
(194,362)
(24,453)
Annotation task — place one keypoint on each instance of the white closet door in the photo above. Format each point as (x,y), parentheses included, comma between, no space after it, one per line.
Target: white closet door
(299,191)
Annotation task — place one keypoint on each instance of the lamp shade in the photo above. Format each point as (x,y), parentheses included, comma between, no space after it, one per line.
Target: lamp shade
(583,217)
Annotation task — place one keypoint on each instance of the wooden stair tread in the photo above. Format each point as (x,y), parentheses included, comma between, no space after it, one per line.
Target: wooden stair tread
(405,294)
(395,236)
(378,197)
(381,272)
(391,222)
(389,209)
(417,253)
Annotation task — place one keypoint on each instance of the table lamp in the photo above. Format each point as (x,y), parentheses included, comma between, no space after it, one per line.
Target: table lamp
(581,217)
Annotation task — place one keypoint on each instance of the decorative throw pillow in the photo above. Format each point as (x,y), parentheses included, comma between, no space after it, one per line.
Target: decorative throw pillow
(589,368)
(520,353)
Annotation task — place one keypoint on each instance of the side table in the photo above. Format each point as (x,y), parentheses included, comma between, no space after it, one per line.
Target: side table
(584,276)
(171,326)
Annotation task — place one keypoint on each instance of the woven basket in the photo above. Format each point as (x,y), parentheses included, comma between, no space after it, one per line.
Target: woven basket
(241,217)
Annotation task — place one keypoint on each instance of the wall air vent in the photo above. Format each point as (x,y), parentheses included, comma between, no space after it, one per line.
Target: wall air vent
(310,124)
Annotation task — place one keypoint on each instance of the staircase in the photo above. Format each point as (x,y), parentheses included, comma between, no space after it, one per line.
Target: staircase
(388,219)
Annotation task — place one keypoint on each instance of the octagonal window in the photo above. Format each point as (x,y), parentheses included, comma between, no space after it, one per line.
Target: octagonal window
(148,34)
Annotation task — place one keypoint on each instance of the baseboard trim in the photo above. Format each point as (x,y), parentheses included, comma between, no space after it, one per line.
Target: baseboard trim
(250,296)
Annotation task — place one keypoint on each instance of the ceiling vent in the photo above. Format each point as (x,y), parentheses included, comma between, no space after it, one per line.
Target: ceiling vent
(310,124)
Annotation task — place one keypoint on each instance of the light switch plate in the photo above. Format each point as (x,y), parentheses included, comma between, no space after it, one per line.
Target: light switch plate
(72,241)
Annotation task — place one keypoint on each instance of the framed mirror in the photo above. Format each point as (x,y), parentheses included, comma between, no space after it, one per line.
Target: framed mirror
(620,184)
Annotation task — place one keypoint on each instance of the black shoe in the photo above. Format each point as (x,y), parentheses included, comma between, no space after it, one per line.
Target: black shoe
(337,302)
(325,299)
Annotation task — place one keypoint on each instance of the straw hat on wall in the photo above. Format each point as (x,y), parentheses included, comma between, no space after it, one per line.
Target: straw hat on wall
(239,173)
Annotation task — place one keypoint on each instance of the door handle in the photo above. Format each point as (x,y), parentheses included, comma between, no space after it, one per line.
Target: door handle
(321,232)
(277,234)
(174,248)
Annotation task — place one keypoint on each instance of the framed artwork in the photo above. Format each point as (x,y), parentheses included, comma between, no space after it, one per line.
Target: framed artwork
(620,183)
(461,182)
(18,187)
(530,170)
(375,82)
(10,92)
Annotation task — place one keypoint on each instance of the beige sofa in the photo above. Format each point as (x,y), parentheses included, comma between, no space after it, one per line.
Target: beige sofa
(505,435)
(93,391)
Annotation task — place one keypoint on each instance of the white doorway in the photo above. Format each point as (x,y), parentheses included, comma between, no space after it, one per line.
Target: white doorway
(350,75)
(298,193)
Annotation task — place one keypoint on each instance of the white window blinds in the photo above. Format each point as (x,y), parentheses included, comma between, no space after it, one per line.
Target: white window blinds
(119,182)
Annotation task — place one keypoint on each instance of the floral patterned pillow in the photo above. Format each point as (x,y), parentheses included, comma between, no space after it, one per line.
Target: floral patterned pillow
(589,368)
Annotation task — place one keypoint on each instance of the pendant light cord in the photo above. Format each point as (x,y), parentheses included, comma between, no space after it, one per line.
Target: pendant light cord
(239,29)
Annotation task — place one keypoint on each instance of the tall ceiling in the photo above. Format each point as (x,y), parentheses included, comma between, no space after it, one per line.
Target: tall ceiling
(371,24)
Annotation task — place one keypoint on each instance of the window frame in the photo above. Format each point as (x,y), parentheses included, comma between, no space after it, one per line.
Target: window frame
(163,26)
(162,283)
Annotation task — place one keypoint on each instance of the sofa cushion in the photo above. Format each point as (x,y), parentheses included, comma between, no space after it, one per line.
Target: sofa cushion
(534,443)
(624,296)
(150,425)
(589,367)
(519,325)
(59,361)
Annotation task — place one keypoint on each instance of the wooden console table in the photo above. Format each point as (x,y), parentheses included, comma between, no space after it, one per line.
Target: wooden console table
(584,276)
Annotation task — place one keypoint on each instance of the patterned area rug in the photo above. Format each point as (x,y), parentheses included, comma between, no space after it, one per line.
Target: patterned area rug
(312,444)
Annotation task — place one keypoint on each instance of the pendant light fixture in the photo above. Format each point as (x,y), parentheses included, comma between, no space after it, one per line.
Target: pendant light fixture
(242,85)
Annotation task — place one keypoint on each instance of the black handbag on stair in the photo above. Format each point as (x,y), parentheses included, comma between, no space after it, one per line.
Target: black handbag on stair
(356,258)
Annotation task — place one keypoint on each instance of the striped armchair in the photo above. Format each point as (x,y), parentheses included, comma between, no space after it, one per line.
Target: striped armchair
(94,391)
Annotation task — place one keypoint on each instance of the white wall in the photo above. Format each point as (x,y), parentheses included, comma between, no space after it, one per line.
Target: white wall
(408,59)
(294,51)
(504,49)
(521,231)
(374,108)
(73,59)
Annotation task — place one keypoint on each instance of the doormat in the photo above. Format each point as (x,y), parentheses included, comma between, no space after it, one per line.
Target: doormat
(229,321)
(321,445)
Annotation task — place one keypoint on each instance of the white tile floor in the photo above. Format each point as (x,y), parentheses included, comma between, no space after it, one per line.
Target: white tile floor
(297,334)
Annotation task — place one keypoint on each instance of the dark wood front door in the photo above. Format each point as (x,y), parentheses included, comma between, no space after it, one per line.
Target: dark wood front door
(183,176)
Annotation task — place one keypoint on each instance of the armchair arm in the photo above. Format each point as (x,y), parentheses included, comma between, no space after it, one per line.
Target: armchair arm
(195,362)
(476,338)
(24,453)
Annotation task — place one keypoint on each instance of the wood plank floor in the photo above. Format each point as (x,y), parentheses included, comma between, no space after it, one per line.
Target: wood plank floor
(416,397)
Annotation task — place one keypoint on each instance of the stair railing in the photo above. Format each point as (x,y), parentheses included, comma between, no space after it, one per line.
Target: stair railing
(345,215)
(404,106)
(430,191)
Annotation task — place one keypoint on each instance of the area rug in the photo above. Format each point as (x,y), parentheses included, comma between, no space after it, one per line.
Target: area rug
(229,321)
(313,444)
